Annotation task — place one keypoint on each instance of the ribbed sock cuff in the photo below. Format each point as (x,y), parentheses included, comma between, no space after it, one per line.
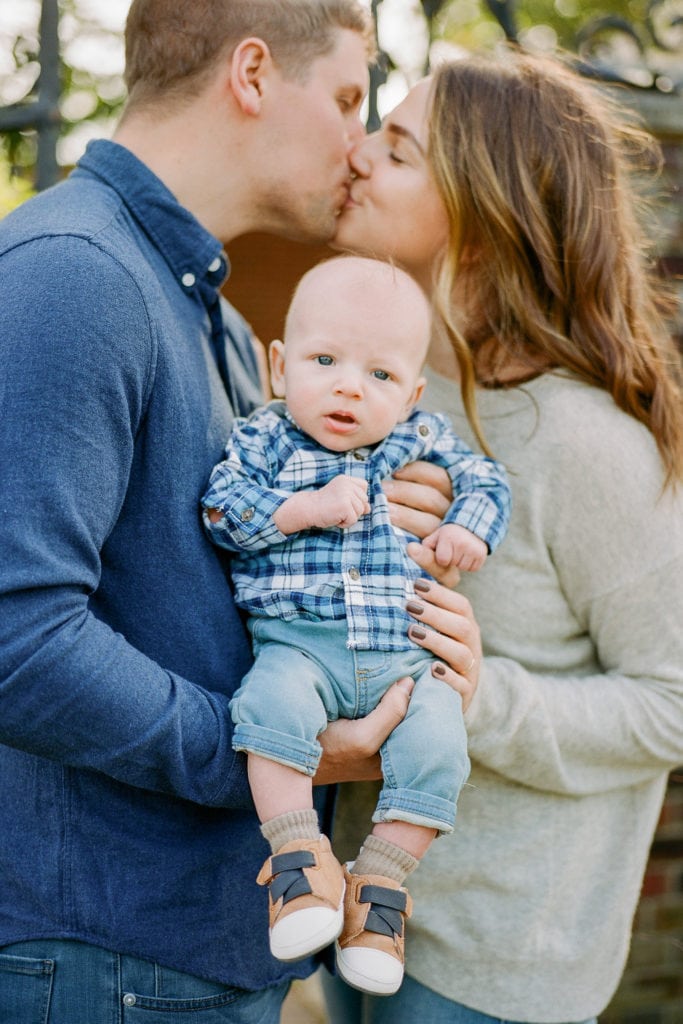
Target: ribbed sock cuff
(379,857)
(290,826)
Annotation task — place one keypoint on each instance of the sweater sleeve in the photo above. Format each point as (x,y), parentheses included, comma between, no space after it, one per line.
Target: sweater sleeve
(615,541)
(79,353)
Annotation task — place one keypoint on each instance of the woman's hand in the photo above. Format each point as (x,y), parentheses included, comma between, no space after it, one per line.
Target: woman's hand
(350,746)
(419,496)
(456,642)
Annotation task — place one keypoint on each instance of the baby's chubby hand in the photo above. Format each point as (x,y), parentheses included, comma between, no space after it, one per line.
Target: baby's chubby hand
(340,503)
(455,545)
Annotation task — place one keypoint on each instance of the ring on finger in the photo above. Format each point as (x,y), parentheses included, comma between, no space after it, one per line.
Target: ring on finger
(471,665)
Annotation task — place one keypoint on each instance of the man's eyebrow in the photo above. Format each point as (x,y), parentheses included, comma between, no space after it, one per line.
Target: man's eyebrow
(353,91)
(404,133)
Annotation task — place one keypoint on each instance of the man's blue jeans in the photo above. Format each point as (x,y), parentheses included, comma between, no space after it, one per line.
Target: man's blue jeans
(58,981)
(412,1004)
(305,676)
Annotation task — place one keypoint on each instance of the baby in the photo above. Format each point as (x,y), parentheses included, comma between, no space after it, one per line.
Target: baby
(325,578)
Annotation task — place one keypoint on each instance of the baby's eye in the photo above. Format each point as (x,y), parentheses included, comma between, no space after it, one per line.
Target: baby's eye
(324,360)
(381,374)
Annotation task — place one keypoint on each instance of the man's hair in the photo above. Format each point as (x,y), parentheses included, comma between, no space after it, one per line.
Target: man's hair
(172,46)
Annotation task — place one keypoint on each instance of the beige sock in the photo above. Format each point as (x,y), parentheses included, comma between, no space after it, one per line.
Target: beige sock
(380,857)
(289,826)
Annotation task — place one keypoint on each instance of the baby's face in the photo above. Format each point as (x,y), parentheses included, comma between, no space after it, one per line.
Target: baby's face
(349,375)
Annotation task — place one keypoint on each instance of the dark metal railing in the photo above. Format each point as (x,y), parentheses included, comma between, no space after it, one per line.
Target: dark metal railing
(43,112)
(596,55)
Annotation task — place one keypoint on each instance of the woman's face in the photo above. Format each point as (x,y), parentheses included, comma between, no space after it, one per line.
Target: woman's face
(394,209)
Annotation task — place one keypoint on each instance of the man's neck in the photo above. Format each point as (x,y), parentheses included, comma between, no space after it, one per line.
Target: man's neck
(196,164)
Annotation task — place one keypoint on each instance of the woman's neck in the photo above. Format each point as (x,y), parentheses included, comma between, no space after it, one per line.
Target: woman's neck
(494,367)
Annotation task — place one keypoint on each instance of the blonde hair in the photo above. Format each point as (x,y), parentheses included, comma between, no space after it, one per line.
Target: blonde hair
(173,46)
(547,256)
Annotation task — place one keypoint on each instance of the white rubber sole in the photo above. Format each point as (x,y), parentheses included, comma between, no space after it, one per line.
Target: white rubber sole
(306,932)
(369,970)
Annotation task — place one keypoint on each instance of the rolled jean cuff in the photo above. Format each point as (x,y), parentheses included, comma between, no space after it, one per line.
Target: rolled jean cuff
(278,746)
(417,808)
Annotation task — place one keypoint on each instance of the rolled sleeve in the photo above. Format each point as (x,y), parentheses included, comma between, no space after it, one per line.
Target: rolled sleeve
(247,512)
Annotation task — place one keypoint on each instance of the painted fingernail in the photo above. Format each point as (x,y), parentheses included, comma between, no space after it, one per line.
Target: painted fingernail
(439,669)
(422,586)
(418,632)
(415,608)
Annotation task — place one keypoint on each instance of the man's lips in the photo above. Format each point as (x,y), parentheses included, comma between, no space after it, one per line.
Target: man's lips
(345,192)
(350,201)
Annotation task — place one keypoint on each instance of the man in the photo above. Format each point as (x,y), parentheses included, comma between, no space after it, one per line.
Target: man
(128,843)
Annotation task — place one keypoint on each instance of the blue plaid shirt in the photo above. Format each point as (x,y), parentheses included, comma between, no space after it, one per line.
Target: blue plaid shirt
(361,572)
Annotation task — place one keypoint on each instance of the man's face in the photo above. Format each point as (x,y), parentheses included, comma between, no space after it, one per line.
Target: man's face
(313,126)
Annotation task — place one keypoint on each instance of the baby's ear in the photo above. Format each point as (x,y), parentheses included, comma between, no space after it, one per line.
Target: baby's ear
(416,396)
(276,358)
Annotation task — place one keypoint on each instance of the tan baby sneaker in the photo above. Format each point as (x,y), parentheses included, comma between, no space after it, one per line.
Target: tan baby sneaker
(306,887)
(370,949)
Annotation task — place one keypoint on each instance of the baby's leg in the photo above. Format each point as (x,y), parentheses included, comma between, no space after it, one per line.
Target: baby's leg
(424,763)
(278,788)
(305,880)
(370,950)
(414,840)
(278,713)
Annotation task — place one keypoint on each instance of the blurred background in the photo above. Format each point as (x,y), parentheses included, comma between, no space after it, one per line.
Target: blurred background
(61,61)
(61,84)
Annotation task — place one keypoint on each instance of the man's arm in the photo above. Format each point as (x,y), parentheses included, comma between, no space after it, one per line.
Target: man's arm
(74,392)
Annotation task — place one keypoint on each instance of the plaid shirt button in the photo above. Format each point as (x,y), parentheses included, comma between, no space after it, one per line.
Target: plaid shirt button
(247,515)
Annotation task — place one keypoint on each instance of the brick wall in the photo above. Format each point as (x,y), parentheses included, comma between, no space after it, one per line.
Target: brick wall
(651,991)
(264,272)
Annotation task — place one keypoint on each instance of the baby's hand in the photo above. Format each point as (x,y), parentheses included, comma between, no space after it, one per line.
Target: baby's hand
(454,545)
(340,503)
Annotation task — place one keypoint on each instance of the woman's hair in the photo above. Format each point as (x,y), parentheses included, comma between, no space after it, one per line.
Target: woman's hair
(172,46)
(547,257)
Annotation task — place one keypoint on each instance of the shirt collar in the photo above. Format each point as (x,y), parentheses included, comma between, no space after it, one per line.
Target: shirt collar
(195,257)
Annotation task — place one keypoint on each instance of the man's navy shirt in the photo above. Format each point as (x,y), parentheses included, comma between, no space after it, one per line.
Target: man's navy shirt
(125,819)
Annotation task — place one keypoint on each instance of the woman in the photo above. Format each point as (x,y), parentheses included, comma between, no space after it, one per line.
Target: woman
(504,187)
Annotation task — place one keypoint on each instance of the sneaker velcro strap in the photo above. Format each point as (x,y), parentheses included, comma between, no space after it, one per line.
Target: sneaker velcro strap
(385,916)
(292,861)
(288,880)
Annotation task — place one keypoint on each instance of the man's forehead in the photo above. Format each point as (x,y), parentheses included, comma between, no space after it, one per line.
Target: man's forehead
(347,61)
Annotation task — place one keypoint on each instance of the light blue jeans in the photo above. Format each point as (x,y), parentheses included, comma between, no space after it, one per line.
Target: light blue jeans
(58,981)
(412,1004)
(305,676)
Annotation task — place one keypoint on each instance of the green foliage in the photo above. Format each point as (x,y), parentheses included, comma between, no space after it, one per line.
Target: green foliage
(13,190)
(92,89)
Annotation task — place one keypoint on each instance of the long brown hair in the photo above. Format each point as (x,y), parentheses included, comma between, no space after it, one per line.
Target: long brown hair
(548,258)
